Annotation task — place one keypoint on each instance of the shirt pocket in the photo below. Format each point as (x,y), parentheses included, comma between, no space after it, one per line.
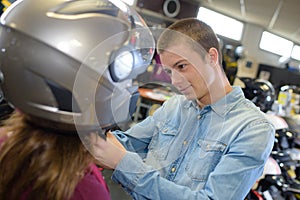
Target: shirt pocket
(204,159)
(161,141)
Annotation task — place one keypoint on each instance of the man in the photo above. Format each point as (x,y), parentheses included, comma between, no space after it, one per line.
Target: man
(53,53)
(209,143)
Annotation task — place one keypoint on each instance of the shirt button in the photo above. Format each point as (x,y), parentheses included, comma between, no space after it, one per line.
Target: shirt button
(173,169)
(185,142)
(198,116)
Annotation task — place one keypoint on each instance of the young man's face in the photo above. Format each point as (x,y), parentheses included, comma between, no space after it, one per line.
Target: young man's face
(189,73)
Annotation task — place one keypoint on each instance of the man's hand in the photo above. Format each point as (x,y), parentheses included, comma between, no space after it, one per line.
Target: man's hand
(108,153)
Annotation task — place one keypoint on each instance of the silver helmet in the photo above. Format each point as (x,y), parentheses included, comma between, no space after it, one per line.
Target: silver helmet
(72,61)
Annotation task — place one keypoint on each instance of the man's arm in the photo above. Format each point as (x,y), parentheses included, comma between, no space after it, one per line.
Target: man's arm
(232,178)
(138,137)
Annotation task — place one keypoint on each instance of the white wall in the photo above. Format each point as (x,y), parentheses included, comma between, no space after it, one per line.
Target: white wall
(255,55)
(251,39)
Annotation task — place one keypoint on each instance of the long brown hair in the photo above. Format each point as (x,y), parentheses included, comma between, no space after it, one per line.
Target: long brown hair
(44,164)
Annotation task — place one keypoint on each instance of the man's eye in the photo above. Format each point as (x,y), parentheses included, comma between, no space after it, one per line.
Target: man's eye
(181,66)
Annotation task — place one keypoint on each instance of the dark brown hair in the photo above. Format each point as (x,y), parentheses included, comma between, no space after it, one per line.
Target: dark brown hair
(195,30)
(45,164)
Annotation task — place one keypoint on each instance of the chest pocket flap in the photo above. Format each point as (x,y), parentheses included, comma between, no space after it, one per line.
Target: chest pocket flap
(204,158)
(162,140)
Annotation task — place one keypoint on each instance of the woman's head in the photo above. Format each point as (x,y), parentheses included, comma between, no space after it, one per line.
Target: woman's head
(42,161)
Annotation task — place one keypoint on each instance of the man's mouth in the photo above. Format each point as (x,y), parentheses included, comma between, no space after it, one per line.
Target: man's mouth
(182,90)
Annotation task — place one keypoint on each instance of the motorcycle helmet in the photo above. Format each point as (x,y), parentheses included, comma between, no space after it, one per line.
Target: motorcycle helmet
(72,62)
(260,92)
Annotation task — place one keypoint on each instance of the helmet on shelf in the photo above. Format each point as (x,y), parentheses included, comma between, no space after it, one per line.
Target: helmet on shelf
(72,62)
(261,92)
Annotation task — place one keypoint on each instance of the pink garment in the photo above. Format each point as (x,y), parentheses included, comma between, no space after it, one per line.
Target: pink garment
(92,187)
(1,140)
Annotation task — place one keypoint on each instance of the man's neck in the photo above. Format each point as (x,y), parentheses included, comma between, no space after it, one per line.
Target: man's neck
(214,96)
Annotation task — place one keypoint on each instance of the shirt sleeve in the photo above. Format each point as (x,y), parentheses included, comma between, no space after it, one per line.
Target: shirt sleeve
(243,164)
(137,138)
(236,172)
(134,142)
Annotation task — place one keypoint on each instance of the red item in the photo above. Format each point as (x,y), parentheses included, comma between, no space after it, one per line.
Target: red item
(92,187)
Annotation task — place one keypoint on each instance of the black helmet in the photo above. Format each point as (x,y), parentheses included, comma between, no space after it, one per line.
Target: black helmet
(260,92)
(72,62)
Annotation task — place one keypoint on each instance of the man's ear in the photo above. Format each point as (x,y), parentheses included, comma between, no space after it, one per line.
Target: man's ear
(214,56)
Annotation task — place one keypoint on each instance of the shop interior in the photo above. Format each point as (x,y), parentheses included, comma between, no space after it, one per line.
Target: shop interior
(244,55)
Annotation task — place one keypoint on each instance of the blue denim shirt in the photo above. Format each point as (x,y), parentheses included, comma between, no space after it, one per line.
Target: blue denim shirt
(184,152)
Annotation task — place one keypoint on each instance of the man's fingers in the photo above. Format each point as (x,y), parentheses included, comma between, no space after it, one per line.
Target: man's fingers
(111,138)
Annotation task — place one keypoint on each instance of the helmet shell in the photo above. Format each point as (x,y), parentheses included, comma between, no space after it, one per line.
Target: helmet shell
(260,92)
(55,57)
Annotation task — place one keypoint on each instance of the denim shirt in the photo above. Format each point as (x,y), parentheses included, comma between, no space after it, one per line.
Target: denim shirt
(184,152)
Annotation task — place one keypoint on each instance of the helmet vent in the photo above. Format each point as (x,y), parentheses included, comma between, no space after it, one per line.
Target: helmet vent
(64,98)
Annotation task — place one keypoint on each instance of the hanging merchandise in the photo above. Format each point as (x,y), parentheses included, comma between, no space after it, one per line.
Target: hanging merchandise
(289,99)
(260,92)
(280,179)
(5,4)
(231,55)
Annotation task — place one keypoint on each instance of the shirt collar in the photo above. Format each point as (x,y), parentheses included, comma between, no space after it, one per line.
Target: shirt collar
(224,105)
(190,103)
